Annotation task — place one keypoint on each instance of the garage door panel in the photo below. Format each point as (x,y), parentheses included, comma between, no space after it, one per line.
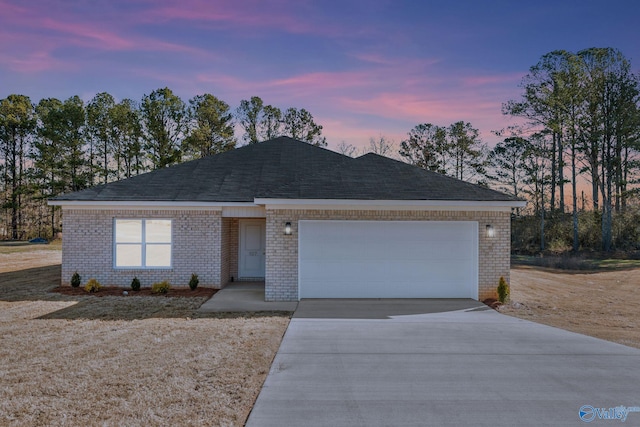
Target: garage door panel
(388,259)
(366,271)
(444,253)
(366,250)
(382,289)
(382,274)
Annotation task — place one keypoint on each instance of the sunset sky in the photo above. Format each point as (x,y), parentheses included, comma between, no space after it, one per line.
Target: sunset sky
(362,68)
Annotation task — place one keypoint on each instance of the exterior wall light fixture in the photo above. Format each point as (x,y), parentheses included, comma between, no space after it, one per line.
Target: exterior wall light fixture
(287,229)
(491,232)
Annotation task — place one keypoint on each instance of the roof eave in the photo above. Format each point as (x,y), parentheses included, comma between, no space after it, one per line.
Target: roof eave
(149,204)
(393,204)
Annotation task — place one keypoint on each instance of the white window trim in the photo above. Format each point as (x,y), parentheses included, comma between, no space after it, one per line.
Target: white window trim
(143,243)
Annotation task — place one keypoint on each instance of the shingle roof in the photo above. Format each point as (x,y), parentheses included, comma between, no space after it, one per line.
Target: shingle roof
(284,168)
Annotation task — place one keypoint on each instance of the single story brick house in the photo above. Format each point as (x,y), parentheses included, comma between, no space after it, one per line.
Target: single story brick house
(310,222)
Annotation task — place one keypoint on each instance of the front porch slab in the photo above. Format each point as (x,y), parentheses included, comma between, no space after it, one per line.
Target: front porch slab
(243,297)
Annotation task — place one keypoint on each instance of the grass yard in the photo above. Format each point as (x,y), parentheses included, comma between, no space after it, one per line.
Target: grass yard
(576,263)
(15,256)
(113,361)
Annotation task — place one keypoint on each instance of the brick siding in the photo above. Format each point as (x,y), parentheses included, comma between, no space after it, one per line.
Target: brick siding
(234,240)
(282,251)
(207,244)
(225,247)
(87,247)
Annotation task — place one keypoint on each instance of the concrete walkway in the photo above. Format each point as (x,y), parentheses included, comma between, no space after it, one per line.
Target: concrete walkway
(410,363)
(243,297)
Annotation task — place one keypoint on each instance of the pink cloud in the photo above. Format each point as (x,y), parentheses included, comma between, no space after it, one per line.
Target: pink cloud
(32,62)
(246,15)
(408,75)
(374,58)
(323,81)
(319,80)
(296,86)
(39,32)
(390,61)
(482,113)
(402,94)
(26,53)
(88,34)
(355,106)
(9,9)
(404,106)
(92,35)
(249,18)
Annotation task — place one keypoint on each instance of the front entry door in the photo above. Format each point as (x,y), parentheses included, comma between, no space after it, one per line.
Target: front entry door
(252,248)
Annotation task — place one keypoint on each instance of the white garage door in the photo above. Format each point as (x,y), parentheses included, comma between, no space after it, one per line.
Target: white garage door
(388,259)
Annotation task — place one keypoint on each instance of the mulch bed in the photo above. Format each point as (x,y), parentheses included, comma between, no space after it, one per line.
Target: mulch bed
(118,291)
(493,303)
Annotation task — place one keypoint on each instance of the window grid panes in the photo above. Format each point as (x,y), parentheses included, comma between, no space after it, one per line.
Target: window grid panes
(142,243)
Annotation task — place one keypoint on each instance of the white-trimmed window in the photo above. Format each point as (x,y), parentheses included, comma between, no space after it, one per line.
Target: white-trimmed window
(142,243)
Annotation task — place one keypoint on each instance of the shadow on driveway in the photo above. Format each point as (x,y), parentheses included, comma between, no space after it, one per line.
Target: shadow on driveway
(380,308)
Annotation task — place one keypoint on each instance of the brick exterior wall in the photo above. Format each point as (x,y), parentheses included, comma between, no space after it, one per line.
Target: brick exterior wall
(234,241)
(198,236)
(281,282)
(207,244)
(225,248)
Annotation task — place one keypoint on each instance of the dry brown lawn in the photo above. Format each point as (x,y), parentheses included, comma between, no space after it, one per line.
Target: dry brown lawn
(152,361)
(603,304)
(20,257)
(113,361)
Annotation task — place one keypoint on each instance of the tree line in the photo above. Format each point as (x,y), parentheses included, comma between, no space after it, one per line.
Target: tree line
(58,146)
(584,109)
(581,115)
(582,124)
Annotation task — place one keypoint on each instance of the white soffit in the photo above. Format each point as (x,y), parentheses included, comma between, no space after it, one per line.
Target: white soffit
(339,204)
(244,212)
(155,205)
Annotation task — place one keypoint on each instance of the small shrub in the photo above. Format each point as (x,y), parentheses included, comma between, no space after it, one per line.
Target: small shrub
(92,286)
(76,280)
(503,290)
(160,287)
(193,283)
(135,284)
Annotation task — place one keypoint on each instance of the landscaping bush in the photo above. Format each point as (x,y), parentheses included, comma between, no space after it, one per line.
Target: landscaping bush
(193,283)
(92,286)
(160,287)
(503,290)
(76,280)
(135,284)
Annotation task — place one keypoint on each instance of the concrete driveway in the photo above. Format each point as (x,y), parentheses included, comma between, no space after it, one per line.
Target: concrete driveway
(440,363)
